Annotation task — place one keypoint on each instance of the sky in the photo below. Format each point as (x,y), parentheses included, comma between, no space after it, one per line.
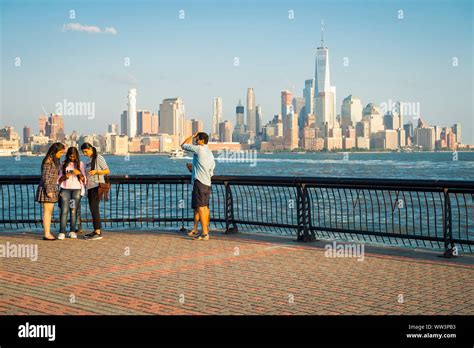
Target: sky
(379,51)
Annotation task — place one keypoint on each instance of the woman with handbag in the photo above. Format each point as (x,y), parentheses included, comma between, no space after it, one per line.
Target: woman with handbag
(96,169)
(47,191)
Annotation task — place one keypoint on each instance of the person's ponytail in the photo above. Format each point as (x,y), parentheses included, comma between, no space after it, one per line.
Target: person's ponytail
(94,154)
(94,158)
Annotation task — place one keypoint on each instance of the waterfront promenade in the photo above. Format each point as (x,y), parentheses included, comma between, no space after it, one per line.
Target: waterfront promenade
(136,272)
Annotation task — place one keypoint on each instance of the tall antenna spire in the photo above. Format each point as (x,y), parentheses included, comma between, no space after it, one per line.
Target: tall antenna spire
(322,32)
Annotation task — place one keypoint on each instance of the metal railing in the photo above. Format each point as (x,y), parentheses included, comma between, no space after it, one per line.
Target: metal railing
(422,213)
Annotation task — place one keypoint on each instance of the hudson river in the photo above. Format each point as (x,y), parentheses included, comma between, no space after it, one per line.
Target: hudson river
(417,165)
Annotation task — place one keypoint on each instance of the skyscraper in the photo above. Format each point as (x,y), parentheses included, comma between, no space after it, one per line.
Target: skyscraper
(251,114)
(123,123)
(373,114)
(154,123)
(457,131)
(239,128)
(172,117)
(425,137)
(188,128)
(299,109)
(308,94)
(55,127)
(26,134)
(286,105)
(132,113)
(351,111)
(144,123)
(42,120)
(197,125)
(324,93)
(239,115)
(225,131)
(112,128)
(216,114)
(258,118)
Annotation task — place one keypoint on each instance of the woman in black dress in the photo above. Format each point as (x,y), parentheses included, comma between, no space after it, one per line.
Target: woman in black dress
(47,192)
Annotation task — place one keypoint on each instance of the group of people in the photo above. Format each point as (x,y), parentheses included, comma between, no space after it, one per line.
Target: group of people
(66,182)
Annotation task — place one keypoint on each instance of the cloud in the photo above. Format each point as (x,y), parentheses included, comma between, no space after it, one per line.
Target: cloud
(91,29)
(110,30)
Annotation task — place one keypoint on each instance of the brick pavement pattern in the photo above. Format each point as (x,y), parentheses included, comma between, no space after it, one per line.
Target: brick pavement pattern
(168,273)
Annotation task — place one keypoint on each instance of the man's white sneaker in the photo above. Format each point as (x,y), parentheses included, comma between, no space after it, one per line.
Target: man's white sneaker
(73,235)
(61,236)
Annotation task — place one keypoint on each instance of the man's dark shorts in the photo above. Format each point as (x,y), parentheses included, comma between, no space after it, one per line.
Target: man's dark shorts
(201,194)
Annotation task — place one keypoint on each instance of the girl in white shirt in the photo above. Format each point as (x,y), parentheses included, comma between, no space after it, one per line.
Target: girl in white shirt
(72,180)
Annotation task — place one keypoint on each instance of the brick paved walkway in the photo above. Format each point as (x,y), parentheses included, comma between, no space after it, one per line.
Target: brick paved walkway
(166,273)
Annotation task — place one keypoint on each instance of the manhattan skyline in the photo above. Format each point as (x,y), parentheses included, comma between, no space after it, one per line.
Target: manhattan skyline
(408,59)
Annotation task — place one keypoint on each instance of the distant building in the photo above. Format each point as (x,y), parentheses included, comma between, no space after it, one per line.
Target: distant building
(391,120)
(42,120)
(172,117)
(150,145)
(239,129)
(134,145)
(124,123)
(112,128)
(197,126)
(132,113)
(324,93)
(230,146)
(291,133)
(373,114)
(154,123)
(299,110)
(457,132)
(425,138)
(251,112)
(225,131)
(216,115)
(145,123)
(188,128)
(119,144)
(54,127)
(308,94)
(26,134)
(409,133)
(384,140)
(451,142)
(351,111)
(363,143)
(168,142)
(362,129)
(258,119)
(348,143)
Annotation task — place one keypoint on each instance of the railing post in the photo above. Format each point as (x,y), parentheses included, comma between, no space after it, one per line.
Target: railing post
(449,248)
(229,211)
(302,206)
(183,204)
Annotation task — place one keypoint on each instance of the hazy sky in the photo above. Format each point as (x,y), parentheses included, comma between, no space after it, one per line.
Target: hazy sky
(409,59)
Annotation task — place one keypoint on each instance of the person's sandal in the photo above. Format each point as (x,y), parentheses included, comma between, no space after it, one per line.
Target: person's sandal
(202,237)
(54,238)
(193,234)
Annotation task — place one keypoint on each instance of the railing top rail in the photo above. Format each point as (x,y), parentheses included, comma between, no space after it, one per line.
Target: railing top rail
(274,180)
